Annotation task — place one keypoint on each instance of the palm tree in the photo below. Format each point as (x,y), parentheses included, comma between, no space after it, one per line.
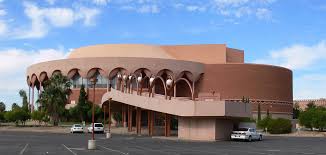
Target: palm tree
(55,96)
(22,94)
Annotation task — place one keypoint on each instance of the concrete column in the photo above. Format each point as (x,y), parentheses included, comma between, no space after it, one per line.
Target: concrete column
(110,114)
(129,118)
(29,97)
(124,120)
(152,122)
(32,105)
(167,125)
(175,90)
(138,121)
(149,122)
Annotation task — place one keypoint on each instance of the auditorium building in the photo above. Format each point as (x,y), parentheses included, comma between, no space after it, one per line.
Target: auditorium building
(198,87)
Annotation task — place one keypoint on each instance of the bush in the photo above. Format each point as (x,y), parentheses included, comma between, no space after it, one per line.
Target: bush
(279,126)
(263,124)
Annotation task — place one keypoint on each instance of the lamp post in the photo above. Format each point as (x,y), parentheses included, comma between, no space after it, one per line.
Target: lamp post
(108,134)
(91,143)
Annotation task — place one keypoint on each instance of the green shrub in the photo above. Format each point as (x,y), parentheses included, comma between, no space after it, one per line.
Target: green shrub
(279,126)
(263,124)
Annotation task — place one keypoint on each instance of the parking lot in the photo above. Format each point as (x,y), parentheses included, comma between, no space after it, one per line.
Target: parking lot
(73,144)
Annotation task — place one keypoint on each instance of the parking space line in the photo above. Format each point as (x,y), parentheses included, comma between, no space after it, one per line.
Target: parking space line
(69,149)
(113,150)
(23,150)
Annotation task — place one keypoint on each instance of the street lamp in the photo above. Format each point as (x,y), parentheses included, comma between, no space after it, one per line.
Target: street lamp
(91,143)
(108,134)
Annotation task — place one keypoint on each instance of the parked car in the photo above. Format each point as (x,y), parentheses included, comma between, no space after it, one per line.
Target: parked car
(248,134)
(98,128)
(77,128)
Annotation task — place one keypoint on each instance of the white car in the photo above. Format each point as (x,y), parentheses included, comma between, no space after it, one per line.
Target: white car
(98,127)
(77,128)
(248,134)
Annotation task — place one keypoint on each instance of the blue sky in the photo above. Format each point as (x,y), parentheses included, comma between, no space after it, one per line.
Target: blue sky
(279,32)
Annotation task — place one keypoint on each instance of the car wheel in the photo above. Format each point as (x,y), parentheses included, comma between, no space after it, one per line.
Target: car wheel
(249,139)
(260,138)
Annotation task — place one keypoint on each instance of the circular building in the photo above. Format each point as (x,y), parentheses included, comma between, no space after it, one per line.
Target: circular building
(200,86)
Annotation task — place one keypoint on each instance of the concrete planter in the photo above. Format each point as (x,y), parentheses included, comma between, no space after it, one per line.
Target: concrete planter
(91,144)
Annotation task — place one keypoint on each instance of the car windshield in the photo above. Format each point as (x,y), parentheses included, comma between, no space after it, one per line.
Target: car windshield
(242,129)
(77,125)
(98,125)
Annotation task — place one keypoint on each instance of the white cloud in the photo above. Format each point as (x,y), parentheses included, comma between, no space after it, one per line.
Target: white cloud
(241,8)
(88,15)
(3,12)
(3,28)
(263,13)
(51,2)
(13,64)
(141,9)
(308,64)
(43,19)
(101,2)
(310,86)
(149,9)
(194,8)
(297,56)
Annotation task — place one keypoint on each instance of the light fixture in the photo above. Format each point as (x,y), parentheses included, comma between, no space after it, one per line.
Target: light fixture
(151,80)
(139,79)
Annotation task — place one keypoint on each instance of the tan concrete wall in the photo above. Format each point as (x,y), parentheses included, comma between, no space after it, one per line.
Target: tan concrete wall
(233,81)
(196,128)
(179,107)
(207,54)
(234,55)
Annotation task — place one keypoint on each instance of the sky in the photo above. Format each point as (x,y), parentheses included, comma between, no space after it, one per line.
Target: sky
(288,33)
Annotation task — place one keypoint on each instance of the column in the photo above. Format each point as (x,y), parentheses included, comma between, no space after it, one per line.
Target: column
(32,104)
(149,122)
(167,125)
(129,118)
(29,97)
(124,120)
(110,114)
(138,121)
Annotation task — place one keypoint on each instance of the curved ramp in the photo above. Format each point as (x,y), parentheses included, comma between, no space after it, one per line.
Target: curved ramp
(187,108)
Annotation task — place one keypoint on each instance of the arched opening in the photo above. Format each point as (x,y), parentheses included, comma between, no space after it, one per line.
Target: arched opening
(76,81)
(183,89)
(101,80)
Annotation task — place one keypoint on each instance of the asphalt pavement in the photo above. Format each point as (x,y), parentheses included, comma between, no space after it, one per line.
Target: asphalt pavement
(32,143)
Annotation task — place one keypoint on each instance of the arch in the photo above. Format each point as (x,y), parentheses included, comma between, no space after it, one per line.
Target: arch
(92,72)
(144,82)
(188,83)
(43,76)
(166,71)
(187,74)
(56,72)
(34,79)
(145,71)
(72,72)
(163,83)
(28,80)
(115,71)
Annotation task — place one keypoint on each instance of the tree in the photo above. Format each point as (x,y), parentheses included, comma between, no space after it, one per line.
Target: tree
(55,96)
(17,114)
(38,116)
(14,106)
(311,105)
(83,105)
(2,107)
(305,118)
(259,113)
(22,94)
(296,110)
